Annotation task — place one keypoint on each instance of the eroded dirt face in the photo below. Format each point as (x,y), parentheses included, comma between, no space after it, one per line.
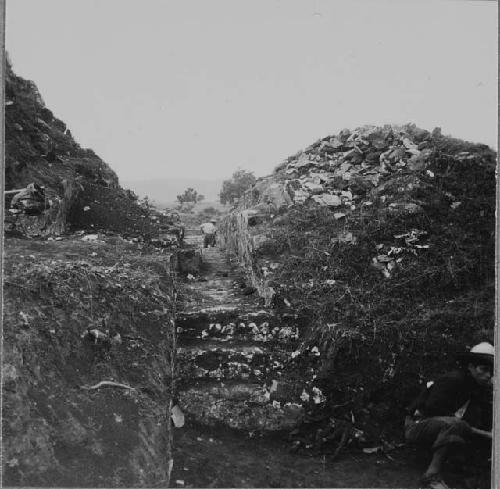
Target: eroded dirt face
(60,427)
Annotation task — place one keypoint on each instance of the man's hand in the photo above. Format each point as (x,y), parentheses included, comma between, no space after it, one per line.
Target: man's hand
(486,434)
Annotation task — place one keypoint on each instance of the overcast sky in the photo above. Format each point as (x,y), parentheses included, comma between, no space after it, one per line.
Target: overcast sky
(163,88)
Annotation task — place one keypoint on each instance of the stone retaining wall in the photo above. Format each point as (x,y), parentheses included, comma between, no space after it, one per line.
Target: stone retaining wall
(240,239)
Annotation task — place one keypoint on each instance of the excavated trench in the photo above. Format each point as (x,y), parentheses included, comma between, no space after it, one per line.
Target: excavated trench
(238,398)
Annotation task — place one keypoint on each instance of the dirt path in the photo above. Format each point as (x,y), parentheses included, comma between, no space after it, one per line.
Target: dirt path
(228,348)
(207,457)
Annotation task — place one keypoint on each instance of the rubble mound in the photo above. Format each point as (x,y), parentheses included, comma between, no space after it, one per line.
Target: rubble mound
(381,240)
(40,149)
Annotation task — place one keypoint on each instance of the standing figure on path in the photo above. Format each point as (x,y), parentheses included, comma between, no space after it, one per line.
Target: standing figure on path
(454,414)
(209,232)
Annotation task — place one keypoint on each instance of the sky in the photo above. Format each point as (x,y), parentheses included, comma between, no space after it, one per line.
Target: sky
(199,88)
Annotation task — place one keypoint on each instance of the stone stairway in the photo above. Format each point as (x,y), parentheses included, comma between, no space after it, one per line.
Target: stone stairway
(232,350)
(232,362)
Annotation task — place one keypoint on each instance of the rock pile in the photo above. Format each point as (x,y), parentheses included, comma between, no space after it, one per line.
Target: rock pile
(367,172)
(360,168)
(347,170)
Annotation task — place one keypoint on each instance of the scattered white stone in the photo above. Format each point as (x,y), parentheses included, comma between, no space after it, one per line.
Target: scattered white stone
(90,237)
(327,200)
(318,396)
(254,328)
(177,416)
(304,396)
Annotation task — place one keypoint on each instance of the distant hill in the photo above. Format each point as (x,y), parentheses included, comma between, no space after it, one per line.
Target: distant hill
(165,190)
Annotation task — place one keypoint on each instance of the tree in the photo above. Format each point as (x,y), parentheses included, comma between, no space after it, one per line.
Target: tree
(189,195)
(235,187)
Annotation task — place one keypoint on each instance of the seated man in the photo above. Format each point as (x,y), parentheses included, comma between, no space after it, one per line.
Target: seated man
(454,412)
(209,231)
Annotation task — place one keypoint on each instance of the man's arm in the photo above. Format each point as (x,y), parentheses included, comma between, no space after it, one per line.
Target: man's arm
(441,396)
(484,433)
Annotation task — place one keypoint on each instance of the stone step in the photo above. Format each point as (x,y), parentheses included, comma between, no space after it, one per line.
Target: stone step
(203,302)
(211,261)
(197,301)
(260,333)
(225,321)
(222,265)
(192,240)
(243,406)
(217,282)
(235,361)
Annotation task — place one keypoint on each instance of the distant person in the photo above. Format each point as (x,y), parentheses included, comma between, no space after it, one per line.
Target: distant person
(454,415)
(209,231)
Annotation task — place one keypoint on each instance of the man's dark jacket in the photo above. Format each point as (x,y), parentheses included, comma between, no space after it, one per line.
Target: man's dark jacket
(449,393)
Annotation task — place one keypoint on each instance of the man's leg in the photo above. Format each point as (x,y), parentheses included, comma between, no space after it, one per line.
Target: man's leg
(438,458)
(441,434)
(209,240)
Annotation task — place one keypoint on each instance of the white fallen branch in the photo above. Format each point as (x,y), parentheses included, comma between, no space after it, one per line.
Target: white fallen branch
(107,383)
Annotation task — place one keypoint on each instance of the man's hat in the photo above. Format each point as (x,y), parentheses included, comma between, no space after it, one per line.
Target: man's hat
(213,220)
(480,352)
